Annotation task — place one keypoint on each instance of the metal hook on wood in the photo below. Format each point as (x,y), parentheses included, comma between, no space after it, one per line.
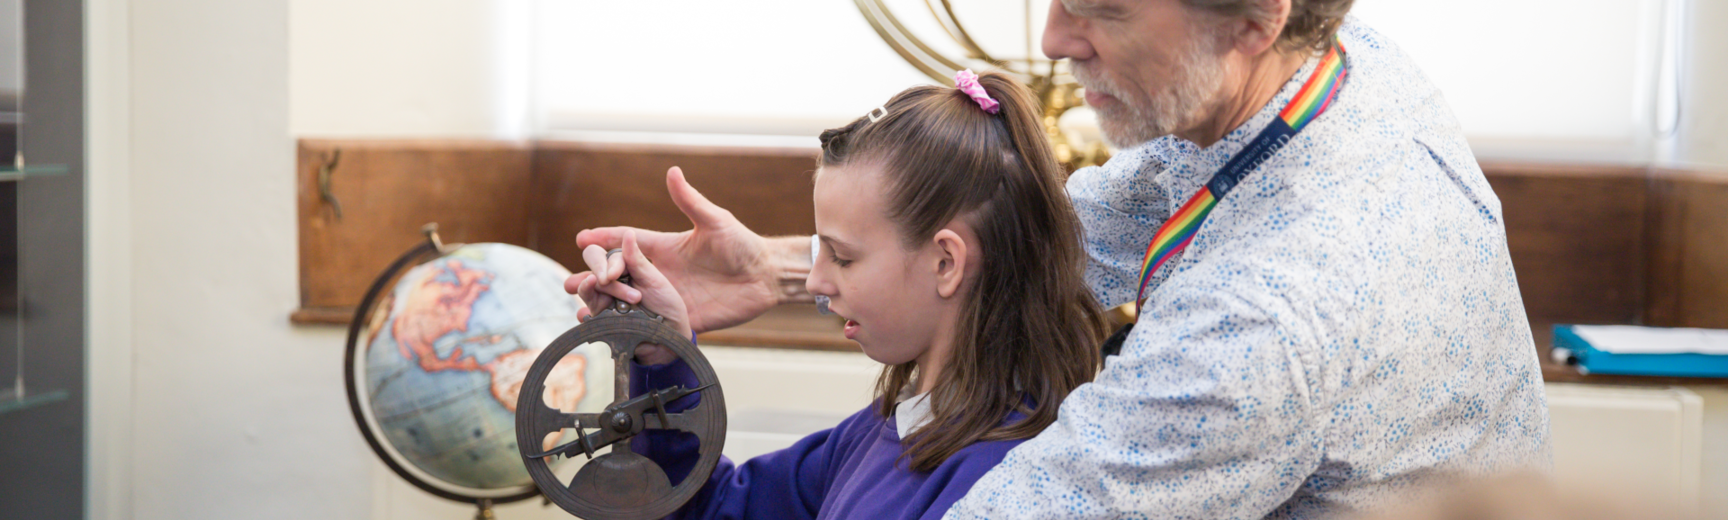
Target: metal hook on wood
(431,232)
(324,172)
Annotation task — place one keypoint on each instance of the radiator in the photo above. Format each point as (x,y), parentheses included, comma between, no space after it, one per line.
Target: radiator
(1632,444)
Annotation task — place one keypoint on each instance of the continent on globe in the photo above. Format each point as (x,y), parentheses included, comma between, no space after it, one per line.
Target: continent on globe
(565,385)
(437,308)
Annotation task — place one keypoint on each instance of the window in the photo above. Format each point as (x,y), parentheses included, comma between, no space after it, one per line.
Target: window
(1591,80)
(776,67)
(1586,80)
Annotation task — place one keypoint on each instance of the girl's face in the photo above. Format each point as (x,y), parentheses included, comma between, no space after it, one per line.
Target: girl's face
(899,305)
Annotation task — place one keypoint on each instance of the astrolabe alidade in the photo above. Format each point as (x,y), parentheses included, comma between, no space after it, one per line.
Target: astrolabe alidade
(1012,36)
(436,353)
(616,483)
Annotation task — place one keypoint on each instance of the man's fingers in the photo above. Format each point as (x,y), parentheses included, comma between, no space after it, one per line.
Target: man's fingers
(609,238)
(606,237)
(642,270)
(702,213)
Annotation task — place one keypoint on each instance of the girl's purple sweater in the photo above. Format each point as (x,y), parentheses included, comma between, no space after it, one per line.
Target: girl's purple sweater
(854,470)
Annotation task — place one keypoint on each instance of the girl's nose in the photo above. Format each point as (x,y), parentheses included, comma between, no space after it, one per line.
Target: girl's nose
(819,282)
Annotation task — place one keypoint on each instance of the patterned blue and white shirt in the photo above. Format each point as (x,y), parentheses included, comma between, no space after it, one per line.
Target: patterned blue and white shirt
(1345,323)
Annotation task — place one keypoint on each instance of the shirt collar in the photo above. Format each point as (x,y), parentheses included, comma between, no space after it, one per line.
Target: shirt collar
(911,414)
(1203,162)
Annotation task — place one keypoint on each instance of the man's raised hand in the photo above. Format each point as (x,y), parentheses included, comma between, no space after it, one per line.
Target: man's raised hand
(724,271)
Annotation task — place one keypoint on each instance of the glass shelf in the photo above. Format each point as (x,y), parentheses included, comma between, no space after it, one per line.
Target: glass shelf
(13,174)
(10,403)
(17,399)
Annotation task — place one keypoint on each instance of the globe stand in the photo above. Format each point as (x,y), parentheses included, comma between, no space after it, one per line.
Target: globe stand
(485,510)
(620,485)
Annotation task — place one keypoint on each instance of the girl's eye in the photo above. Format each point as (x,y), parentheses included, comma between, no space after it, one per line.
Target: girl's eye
(839,261)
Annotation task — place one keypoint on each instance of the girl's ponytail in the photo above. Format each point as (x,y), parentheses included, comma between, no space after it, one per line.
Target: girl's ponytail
(1023,116)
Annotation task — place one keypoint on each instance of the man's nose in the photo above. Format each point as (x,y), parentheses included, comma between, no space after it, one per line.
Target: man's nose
(1062,35)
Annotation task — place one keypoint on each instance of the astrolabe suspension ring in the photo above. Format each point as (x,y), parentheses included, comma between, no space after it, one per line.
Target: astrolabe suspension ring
(616,483)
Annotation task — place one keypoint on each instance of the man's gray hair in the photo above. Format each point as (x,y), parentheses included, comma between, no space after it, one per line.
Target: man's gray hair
(1311,25)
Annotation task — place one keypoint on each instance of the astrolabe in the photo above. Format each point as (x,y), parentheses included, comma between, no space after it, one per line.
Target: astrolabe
(616,483)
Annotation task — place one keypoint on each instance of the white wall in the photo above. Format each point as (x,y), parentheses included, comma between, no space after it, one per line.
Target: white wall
(1704,123)
(232,411)
(409,68)
(206,402)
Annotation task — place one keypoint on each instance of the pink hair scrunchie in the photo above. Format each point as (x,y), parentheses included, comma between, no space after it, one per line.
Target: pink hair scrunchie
(967,82)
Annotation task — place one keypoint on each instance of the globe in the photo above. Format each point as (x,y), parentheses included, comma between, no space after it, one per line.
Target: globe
(441,360)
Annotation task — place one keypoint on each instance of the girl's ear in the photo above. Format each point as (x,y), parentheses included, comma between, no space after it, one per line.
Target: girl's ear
(951,263)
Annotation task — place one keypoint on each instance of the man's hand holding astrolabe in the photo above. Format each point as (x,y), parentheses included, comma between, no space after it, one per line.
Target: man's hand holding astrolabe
(726,273)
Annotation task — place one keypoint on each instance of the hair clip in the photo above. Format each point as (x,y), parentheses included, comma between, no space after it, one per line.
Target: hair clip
(877,114)
(967,82)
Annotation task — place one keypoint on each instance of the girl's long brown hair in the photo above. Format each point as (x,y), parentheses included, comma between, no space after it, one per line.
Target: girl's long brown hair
(1031,329)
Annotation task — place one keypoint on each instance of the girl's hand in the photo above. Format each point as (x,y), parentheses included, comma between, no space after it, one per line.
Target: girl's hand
(649,288)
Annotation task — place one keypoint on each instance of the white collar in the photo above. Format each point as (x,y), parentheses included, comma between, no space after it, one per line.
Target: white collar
(912,414)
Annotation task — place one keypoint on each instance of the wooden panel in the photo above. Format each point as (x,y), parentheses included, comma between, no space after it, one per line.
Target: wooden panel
(1689,254)
(475,191)
(787,326)
(1576,234)
(585,185)
(537,196)
(1590,244)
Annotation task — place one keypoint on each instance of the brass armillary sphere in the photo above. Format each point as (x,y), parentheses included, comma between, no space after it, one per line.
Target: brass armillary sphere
(1049,80)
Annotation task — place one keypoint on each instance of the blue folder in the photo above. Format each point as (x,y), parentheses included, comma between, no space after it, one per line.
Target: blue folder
(1574,349)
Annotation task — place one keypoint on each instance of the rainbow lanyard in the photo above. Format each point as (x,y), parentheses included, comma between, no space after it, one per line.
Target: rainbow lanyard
(1317,94)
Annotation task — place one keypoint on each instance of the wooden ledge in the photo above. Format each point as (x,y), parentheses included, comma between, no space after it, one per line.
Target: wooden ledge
(787,326)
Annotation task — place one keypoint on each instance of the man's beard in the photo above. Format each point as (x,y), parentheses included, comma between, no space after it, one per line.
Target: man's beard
(1198,73)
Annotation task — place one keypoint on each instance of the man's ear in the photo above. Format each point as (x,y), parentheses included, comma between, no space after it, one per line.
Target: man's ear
(1252,35)
(951,262)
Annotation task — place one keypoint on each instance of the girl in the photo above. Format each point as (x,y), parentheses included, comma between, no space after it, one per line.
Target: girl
(946,240)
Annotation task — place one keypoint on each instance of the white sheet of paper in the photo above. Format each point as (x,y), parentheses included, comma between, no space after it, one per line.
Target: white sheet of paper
(1627,339)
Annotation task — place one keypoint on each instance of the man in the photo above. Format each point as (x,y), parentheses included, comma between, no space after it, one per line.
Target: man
(1344,322)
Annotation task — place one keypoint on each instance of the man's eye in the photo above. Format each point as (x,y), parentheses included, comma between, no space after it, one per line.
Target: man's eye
(1093,9)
